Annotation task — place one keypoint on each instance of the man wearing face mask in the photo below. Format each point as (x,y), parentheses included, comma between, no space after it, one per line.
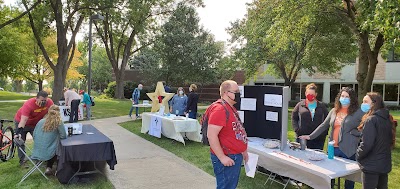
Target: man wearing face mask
(308,115)
(227,136)
(135,100)
(26,118)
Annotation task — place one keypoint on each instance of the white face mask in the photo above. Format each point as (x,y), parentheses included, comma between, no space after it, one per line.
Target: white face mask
(180,92)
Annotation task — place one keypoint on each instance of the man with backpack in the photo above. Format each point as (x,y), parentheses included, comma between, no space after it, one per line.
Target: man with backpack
(226,136)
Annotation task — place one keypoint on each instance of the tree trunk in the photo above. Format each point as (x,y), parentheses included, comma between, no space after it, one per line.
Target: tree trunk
(40,84)
(18,85)
(119,90)
(59,83)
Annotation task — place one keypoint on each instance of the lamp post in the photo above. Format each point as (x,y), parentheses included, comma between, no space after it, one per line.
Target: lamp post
(93,17)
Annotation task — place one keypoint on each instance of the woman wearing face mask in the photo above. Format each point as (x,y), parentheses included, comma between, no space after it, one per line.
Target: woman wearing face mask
(308,115)
(179,102)
(343,120)
(193,99)
(374,152)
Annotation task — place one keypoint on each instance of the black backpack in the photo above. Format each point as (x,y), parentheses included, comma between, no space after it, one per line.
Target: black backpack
(92,101)
(204,121)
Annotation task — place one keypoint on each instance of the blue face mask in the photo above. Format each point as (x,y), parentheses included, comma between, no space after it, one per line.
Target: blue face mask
(365,107)
(344,101)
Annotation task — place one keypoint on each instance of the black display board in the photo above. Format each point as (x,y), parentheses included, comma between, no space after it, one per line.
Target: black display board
(255,122)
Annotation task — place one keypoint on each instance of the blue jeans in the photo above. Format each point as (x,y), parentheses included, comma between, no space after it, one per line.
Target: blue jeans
(136,111)
(227,177)
(348,184)
(192,115)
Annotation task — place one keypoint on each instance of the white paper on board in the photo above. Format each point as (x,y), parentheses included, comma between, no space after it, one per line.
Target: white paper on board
(273,100)
(241,89)
(241,115)
(248,104)
(251,165)
(271,116)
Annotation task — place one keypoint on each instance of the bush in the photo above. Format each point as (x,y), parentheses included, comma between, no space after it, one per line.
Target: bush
(48,90)
(110,91)
(103,96)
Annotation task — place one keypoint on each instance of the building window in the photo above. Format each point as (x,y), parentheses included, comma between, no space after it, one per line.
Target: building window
(258,83)
(393,56)
(269,83)
(391,92)
(335,89)
(280,84)
(295,92)
(378,88)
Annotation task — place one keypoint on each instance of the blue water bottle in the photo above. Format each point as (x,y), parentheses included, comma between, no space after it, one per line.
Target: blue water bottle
(331,150)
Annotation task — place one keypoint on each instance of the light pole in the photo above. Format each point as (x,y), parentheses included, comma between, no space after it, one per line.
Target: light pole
(93,17)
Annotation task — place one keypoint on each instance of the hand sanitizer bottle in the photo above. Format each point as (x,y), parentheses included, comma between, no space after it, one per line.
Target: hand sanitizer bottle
(331,150)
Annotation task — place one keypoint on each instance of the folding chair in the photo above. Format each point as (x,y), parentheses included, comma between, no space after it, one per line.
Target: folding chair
(36,162)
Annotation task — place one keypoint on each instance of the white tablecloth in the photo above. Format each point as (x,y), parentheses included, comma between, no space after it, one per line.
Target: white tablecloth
(174,129)
(295,164)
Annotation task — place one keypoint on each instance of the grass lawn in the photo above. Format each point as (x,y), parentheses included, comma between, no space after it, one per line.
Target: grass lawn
(198,155)
(5,95)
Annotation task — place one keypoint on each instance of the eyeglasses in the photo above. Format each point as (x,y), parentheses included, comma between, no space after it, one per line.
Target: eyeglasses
(234,92)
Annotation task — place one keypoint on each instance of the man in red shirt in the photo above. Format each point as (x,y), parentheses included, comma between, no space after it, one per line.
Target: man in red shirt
(227,137)
(29,115)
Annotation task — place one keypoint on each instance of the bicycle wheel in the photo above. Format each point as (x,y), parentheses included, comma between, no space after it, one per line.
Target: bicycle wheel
(7,143)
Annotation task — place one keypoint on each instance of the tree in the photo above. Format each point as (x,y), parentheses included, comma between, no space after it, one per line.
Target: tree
(291,36)
(124,33)
(67,17)
(4,22)
(376,24)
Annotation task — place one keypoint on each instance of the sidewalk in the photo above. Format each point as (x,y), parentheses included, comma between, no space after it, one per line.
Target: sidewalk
(142,164)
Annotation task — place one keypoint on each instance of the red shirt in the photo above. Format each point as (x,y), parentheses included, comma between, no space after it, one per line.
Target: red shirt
(33,111)
(232,136)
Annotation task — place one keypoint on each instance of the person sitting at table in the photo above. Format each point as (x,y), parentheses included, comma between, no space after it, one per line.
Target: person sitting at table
(343,120)
(374,153)
(179,102)
(307,115)
(47,135)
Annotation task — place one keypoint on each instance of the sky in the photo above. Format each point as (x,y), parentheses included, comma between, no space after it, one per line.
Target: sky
(215,16)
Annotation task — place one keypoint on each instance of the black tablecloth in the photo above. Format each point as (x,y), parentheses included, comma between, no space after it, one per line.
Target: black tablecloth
(86,148)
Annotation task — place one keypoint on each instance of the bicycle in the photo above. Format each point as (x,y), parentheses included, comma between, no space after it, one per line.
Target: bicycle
(6,141)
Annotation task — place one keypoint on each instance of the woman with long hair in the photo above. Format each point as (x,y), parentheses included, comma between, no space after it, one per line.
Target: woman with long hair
(343,120)
(192,101)
(374,153)
(47,135)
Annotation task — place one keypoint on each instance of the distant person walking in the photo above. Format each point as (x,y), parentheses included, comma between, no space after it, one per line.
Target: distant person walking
(193,99)
(227,137)
(135,101)
(179,102)
(72,100)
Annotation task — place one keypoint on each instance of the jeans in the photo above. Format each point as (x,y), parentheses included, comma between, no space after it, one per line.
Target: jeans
(227,177)
(136,111)
(73,116)
(27,129)
(372,181)
(348,184)
(192,115)
(88,111)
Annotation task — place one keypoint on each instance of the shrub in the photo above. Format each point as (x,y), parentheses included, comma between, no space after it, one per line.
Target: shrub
(110,90)
(48,90)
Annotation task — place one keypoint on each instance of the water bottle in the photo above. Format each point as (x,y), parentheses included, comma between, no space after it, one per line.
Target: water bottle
(176,112)
(331,150)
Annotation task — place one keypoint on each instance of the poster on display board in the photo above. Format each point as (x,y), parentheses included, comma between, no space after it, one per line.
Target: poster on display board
(265,109)
(65,112)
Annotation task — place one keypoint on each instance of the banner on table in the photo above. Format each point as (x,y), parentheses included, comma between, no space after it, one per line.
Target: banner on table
(155,126)
(65,113)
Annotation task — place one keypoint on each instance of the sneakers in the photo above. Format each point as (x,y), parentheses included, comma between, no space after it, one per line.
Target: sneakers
(48,171)
(23,164)
(138,117)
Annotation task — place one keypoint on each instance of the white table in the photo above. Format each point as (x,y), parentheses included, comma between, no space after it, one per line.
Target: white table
(294,164)
(144,106)
(174,129)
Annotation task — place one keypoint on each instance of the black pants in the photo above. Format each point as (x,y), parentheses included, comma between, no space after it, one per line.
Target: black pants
(372,181)
(73,116)
(51,161)
(27,129)
(314,144)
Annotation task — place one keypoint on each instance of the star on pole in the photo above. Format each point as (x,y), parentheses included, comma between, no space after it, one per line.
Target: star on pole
(157,98)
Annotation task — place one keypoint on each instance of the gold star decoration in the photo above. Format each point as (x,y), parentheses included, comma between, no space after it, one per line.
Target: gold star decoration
(156,98)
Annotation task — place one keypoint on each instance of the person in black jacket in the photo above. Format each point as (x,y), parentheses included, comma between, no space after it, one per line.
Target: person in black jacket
(193,99)
(374,153)
(307,115)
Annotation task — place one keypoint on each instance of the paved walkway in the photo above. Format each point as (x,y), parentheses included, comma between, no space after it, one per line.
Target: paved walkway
(142,164)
